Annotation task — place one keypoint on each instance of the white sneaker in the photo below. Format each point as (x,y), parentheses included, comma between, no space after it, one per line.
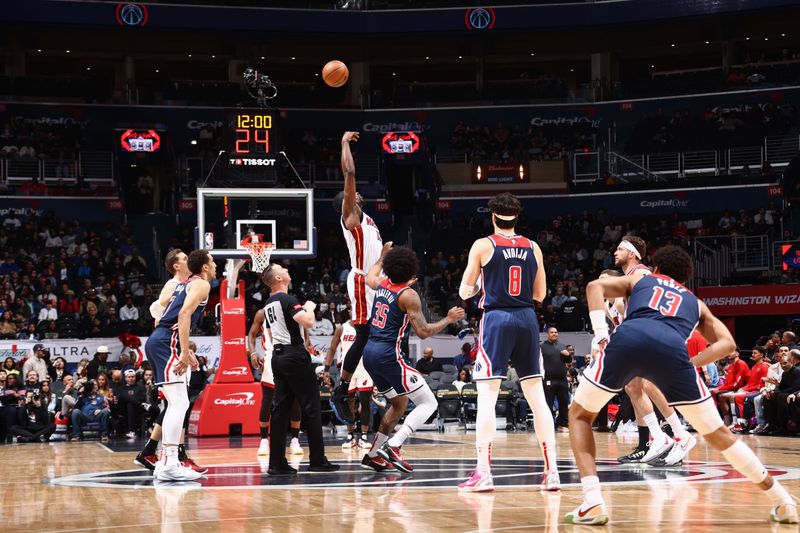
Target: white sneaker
(131,435)
(364,443)
(263,448)
(657,449)
(551,481)
(595,515)
(350,442)
(175,473)
(477,482)
(295,448)
(785,514)
(680,450)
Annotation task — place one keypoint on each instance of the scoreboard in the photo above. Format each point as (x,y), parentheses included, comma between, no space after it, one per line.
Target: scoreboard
(252,138)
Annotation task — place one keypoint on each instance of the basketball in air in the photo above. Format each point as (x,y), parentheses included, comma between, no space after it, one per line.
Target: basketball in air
(335,73)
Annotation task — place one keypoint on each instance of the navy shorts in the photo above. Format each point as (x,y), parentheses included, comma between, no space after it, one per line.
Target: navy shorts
(390,373)
(508,334)
(163,350)
(656,352)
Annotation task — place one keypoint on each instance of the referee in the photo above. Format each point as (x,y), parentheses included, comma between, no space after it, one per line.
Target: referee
(294,374)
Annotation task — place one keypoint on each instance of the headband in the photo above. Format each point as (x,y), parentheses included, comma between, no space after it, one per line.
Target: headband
(631,248)
(505,217)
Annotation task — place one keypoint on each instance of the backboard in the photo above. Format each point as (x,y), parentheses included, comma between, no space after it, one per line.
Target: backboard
(284,217)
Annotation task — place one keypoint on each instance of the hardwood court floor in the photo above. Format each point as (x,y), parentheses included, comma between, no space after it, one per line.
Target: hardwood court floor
(86,486)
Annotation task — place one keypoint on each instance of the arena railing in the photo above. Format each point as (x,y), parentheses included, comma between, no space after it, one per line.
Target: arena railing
(96,167)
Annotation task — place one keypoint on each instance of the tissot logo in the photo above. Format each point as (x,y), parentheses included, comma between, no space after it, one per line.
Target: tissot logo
(238,399)
(235,371)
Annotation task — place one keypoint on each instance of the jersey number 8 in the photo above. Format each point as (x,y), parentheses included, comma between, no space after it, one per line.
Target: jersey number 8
(665,302)
(514,280)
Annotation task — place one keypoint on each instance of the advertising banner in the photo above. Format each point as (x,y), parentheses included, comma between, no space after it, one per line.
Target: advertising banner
(744,300)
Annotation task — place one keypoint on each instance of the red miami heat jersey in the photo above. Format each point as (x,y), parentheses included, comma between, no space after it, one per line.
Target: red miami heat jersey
(389,322)
(509,274)
(364,243)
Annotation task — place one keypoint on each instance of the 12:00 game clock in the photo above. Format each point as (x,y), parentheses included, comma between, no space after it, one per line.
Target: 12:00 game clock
(252,138)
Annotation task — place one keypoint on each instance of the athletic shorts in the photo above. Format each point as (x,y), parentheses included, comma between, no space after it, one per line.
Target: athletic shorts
(656,352)
(361,297)
(361,380)
(163,350)
(391,374)
(508,334)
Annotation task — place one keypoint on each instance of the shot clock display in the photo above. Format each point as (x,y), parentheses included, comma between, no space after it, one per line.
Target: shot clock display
(253,138)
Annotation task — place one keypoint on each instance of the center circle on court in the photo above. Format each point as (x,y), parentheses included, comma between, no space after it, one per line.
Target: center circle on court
(442,473)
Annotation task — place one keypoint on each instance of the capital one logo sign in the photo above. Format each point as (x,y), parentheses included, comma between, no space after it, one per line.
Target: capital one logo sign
(235,371)
(238,341)
(237,399)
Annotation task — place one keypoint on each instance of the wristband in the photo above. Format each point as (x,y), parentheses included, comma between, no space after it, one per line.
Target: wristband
(599,324)
(468,291)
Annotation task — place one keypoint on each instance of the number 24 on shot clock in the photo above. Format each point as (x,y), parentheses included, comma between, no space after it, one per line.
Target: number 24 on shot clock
(252,134)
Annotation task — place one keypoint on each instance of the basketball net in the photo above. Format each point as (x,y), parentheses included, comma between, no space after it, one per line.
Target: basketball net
(259,251)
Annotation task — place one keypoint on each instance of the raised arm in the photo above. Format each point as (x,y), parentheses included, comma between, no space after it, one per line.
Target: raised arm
(596,293)
(715,332)
(374,276)
(410,303)
(337,338)
(540,282)
(351,213)
(255,330)
(196,292)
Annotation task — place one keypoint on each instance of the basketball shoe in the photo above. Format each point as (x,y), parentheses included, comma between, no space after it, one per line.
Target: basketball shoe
(785,513)
(364,442)
(676,454)
(658,449)
(477,482)
(634,457)
(175,472)
(263,447)
(392,454)
(147,461)
(189,463)
(596,515)
(551,481)
(377,463)
(295,448)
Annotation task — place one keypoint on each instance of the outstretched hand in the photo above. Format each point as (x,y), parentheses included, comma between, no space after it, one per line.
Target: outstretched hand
(350,136)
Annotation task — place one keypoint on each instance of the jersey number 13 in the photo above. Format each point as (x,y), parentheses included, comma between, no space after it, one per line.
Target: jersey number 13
(665,302)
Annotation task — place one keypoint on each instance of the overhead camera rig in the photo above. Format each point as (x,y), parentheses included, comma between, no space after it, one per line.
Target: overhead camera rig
(259,86)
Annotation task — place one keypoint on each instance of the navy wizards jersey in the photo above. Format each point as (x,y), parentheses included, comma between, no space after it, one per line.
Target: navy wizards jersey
(508,276)
(170,317)
(389,322)
(666,301)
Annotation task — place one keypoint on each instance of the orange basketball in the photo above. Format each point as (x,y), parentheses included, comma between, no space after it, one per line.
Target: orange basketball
(335,73)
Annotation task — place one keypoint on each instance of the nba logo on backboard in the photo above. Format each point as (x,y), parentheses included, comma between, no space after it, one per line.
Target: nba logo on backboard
(209,241)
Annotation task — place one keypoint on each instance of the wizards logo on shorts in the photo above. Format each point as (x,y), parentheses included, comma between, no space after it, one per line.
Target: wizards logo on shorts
(478,367)
(413,379)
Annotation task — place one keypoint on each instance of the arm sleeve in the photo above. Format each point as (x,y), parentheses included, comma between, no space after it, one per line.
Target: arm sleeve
(156,310)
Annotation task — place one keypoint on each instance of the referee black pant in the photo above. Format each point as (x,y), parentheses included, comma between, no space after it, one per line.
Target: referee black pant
(295,379)
(558,389)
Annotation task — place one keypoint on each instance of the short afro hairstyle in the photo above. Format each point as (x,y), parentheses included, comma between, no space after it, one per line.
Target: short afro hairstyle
(674,262)
(508,205)
(400,264)
(637,243)
(197,259)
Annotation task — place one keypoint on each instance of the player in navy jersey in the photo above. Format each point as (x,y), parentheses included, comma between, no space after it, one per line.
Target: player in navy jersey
(661,316)
(513,276)
(655,447)
(396,306)
(168,351)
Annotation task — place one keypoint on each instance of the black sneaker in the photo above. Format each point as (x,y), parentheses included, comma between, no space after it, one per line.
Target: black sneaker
(284,470)
(325,466)
(377,463)
(339,404)
(635,456)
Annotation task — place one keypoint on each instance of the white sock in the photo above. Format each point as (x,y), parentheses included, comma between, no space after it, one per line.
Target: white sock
(171,456)
(591,491)
(400,436)
(485,422)
(652,424)
(379,441)
(677,428)
(533,389)
(484,458)
(778,494)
